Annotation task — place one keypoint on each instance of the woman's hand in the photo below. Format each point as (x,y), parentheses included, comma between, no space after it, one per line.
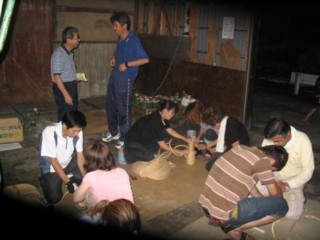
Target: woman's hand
(212,150)
(187,140)
(202,146)
(181,152)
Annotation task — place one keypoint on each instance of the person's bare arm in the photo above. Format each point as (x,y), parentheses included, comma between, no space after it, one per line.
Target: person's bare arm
(255,192)
(175,134)
(59,170)
(166,147)
(80,194)
(274,190)
(80,159)
(133,63)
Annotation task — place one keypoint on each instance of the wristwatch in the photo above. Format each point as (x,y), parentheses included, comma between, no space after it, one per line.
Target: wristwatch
(287,186)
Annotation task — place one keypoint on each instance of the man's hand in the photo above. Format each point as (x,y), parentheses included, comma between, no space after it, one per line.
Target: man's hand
(68,99)
(281,185)
(202,146)
(75,180)
(70,187)
(71,184)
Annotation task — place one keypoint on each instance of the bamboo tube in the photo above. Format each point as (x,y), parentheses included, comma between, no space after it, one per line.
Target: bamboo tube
(191,156)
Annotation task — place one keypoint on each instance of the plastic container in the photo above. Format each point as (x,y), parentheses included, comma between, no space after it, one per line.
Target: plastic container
(121,159)
(191,133)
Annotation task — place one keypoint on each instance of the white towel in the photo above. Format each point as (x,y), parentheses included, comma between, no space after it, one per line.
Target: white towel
(222,130)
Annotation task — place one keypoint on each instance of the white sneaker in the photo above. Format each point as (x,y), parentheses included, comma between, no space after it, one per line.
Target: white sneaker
(119,145)
(109,137)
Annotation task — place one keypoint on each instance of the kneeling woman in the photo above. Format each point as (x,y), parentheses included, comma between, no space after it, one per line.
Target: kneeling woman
(146,136)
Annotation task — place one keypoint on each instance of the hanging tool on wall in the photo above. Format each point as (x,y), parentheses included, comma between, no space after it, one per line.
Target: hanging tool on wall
(5,23)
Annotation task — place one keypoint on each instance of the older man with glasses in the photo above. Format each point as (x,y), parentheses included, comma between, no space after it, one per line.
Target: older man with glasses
(299,169)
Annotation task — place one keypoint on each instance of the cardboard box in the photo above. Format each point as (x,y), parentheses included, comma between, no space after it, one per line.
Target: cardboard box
(11,130)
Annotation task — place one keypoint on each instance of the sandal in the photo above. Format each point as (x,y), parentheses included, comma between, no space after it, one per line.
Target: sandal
(246,236)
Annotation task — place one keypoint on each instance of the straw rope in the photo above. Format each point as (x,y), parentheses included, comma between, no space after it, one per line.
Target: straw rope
(158,168)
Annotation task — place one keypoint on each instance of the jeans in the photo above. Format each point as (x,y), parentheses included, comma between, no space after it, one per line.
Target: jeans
(295,199)
(51,183)
(252,209)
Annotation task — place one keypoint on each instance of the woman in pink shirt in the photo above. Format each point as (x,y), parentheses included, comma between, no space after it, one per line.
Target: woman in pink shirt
(103,179)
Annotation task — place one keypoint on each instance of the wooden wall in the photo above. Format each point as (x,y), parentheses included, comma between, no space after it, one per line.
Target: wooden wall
(211,85)
(25,65)
(98,39)
(93,60)
(203,64)
(92,18)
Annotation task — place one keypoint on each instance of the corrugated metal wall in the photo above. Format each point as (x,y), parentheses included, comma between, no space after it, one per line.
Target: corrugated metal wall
(98,40)
(242,29)
(93,60)
(242,32)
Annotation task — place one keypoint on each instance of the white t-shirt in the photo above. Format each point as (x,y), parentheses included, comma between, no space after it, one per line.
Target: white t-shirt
(64,148)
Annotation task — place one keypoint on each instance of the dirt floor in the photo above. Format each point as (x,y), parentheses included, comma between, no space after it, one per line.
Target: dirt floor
(169,205)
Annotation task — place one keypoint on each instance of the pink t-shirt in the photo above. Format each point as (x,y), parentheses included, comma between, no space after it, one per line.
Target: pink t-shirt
(109,185)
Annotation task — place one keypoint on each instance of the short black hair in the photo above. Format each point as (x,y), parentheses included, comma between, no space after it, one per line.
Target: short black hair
(210,135)
(121,17)
(276,126)
(74,118)
(68,32)
(278,153)
(169,105)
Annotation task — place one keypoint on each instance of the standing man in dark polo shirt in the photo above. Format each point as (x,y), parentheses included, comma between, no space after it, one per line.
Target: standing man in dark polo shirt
(129,55)
(63,72)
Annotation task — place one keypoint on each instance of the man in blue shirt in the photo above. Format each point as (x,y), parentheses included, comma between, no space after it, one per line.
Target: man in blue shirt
(129,55)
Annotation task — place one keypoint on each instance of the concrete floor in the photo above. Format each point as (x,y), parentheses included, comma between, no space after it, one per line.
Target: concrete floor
(169,207)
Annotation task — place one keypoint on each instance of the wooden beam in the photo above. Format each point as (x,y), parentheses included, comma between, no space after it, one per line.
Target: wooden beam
(150,16)
(157,22)
(176,24)
(168,21)
(139,16)
(248,43)
(193,29)
(62,8)
(212,37)
(162,21)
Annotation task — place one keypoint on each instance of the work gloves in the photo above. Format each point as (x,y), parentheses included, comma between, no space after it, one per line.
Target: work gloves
(73,184)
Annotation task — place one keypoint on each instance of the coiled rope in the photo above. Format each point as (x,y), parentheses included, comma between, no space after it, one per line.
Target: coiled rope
(158,168)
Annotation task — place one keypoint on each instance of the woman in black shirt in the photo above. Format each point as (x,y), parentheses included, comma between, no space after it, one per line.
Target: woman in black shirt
(146,136)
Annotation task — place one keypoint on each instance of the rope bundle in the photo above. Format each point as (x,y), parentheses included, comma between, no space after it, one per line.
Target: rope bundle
(156,169)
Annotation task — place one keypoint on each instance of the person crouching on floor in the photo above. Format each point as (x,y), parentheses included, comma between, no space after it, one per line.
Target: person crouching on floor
(146,136)
(232,178)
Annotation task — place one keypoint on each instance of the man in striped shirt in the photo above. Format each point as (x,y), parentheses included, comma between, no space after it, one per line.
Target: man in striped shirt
(233,178)
(63,72)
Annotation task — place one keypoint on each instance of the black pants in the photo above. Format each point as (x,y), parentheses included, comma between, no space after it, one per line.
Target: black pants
(51,183)
(134,151)
(63,107)
(212,159)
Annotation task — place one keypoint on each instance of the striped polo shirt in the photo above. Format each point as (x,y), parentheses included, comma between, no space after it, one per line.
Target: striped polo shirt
(62,63)
(231,179)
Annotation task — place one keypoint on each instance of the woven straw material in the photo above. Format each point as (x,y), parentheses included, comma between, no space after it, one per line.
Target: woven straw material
(25,193)
(156,169)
